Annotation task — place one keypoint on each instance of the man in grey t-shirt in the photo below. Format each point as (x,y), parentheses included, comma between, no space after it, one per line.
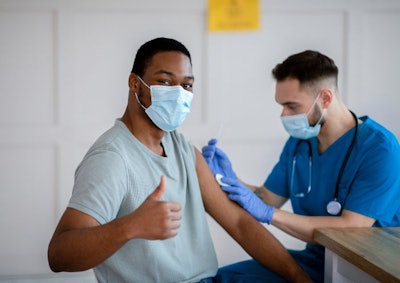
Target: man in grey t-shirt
(137,211)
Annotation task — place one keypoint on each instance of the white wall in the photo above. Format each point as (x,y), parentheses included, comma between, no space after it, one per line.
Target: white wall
(64,67)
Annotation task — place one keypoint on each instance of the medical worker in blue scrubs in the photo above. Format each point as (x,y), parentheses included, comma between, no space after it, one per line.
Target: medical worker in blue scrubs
(337,169)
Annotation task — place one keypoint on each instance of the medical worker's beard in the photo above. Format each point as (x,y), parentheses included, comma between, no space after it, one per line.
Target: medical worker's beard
(317,116)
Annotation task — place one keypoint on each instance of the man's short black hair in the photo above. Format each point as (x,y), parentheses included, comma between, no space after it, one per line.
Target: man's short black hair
(308,67)
(150,48)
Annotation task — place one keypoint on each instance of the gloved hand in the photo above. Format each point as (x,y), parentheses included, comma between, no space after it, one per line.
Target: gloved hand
(248,200)
(217,160)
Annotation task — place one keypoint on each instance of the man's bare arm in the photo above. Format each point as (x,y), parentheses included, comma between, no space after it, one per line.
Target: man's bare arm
(80,242)
(250,234)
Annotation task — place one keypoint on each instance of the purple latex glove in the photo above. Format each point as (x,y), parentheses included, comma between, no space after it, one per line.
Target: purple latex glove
(217,160)
(248,200)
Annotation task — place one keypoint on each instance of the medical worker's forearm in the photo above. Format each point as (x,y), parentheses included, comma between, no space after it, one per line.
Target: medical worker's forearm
(286,222)
(302,227)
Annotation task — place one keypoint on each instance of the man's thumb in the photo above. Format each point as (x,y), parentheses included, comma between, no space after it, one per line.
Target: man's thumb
(159,191)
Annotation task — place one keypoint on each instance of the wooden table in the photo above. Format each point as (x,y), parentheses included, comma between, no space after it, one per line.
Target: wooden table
(360,254)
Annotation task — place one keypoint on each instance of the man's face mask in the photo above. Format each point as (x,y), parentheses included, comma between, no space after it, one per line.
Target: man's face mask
(298,126)
(169,105)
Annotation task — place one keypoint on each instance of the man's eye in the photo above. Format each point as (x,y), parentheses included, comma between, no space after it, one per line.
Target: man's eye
(292,107)
(164,82)
(187,86)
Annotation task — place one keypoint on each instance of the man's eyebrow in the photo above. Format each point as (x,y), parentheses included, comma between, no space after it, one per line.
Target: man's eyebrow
(172,74)
(289,103)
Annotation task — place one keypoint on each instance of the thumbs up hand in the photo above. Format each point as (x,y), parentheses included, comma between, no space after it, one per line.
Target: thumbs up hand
(159,191)
(156,219)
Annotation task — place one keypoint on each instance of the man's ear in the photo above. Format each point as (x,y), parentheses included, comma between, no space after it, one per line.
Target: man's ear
(133,82)
(326,96)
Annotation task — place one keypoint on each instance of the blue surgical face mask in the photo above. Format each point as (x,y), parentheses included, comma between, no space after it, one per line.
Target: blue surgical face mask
(169,105)
(297,125)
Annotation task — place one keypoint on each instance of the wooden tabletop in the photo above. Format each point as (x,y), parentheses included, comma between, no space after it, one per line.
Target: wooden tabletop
(376,251)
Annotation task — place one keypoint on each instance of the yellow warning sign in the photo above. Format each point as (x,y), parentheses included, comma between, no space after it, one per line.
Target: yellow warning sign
(233,15)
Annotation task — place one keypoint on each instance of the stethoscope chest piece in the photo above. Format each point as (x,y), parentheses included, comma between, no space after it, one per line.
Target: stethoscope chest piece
(334,207)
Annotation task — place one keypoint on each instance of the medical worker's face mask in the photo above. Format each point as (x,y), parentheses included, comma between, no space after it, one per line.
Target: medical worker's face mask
(169,105)
(298,126)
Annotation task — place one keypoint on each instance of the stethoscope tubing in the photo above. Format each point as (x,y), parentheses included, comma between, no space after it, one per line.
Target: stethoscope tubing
(334,206)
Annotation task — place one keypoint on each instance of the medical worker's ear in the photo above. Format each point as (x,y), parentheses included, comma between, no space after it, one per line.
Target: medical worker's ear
(326,97)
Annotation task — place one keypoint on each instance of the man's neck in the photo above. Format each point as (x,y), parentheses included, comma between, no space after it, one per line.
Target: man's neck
(146,132)
(335,127)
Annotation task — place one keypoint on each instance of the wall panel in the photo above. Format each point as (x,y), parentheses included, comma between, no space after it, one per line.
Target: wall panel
(378,97)
(26,69)
(27,174)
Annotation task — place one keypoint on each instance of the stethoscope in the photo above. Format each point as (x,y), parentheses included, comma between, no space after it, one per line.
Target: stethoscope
(334,206)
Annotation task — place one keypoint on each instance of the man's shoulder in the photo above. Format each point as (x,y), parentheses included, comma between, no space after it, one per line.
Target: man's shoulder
(376,132)
(115,139)
(179,140)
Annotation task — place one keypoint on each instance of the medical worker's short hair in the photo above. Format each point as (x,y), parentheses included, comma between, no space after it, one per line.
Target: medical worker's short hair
(309,67)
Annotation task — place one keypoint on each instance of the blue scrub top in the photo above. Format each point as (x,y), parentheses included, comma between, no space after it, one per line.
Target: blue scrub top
(370,184)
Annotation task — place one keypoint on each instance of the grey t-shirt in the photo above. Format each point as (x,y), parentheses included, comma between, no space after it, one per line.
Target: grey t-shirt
(116,176)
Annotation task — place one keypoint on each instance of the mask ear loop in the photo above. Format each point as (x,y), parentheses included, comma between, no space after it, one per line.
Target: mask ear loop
(138,101)
(312,106)
(143,82)
(137,98)
(322,116)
